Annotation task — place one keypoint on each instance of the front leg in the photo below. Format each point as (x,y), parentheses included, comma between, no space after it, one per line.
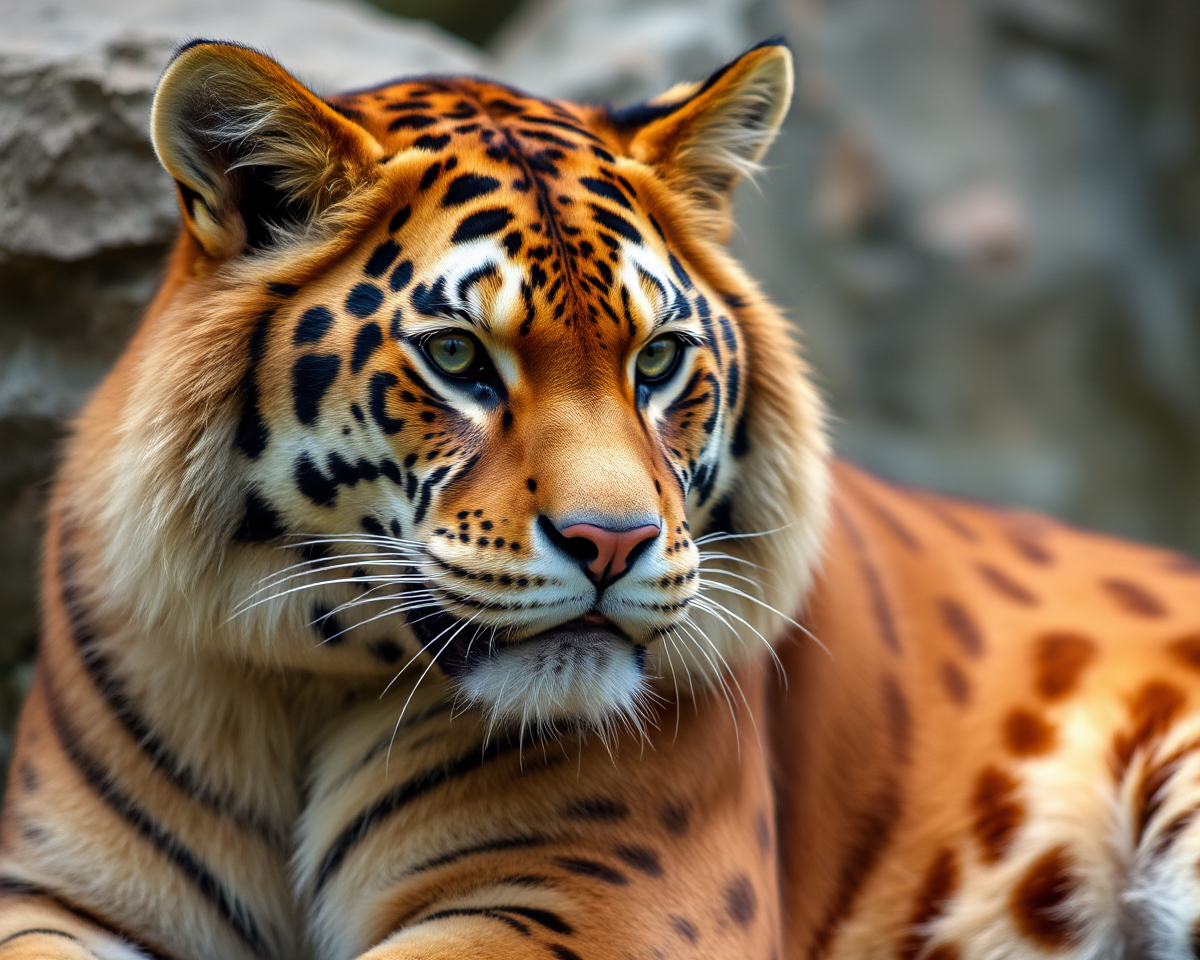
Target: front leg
(33,926)
(663,848)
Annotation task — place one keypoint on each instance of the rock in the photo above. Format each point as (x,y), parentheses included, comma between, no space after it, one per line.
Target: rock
(620,50)
(86,211)
(76,169)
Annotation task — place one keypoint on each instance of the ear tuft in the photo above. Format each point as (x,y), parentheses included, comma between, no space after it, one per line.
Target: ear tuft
(257,156)
(705,137)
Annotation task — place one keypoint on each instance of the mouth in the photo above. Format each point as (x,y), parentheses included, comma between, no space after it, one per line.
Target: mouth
(456,648)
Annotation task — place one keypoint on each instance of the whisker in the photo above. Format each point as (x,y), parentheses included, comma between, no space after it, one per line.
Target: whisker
(795,623)
(242,609)
(716,608)
(730,573)
(420,679)
(737,685)
(389,612)
(716,673)
(722,535)
(707,555)
(280,577)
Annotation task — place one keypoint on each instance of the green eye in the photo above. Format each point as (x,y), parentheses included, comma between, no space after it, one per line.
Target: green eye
(657,358)
(453,352)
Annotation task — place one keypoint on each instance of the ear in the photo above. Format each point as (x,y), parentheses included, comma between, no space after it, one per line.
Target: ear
(704,137)
(254,153)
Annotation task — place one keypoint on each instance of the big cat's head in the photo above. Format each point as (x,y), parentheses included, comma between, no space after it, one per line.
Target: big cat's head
(478,385)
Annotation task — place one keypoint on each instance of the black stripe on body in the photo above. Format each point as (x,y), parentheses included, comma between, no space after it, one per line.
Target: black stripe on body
(492,913)
(227,904)
(405,793)
(543,918)
(489,846)
(884,617)
(164,760)
(39,931)
(14,887)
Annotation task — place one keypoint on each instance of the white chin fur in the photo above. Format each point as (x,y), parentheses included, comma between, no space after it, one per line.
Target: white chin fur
(558,680)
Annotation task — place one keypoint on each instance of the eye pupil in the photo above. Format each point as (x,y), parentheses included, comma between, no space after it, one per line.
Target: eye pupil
(657,358)
(454,353)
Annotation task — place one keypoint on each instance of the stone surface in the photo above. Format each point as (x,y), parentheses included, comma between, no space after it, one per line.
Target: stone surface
(86,212)
(983,217)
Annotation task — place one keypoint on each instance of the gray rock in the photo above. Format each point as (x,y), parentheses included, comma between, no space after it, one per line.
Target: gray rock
(86,211)
(77,174)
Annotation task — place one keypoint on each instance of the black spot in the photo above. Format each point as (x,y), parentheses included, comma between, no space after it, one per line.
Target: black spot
(506,421)
(327,626)
(311,377)
(399,219)
(401,276)
(313,483)
(592,868)
(381,382)
(432,172)
(413,121)
(740,901)
(431,142)
(602,809)
(407,106)
(389,469)
(381,258)
(259,522)
(467,187)
(372,526)
(356,412)
(366,342)
(482,224)
(531,484)
(642,859)
(676,818)
(364,299)
(512,242)
(684,927)
(277,289)
(386,650)
(602,188)
(563,953)
(314,324)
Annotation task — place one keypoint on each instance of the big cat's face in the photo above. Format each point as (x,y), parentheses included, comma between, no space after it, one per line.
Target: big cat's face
(497,384)
(527,400)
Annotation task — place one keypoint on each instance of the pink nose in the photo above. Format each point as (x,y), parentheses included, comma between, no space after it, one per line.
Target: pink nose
(612,546)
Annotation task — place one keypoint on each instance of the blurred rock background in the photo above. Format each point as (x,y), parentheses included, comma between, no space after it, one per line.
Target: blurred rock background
(983,216)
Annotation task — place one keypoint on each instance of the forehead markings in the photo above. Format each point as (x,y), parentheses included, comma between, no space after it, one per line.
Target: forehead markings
(538,146)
